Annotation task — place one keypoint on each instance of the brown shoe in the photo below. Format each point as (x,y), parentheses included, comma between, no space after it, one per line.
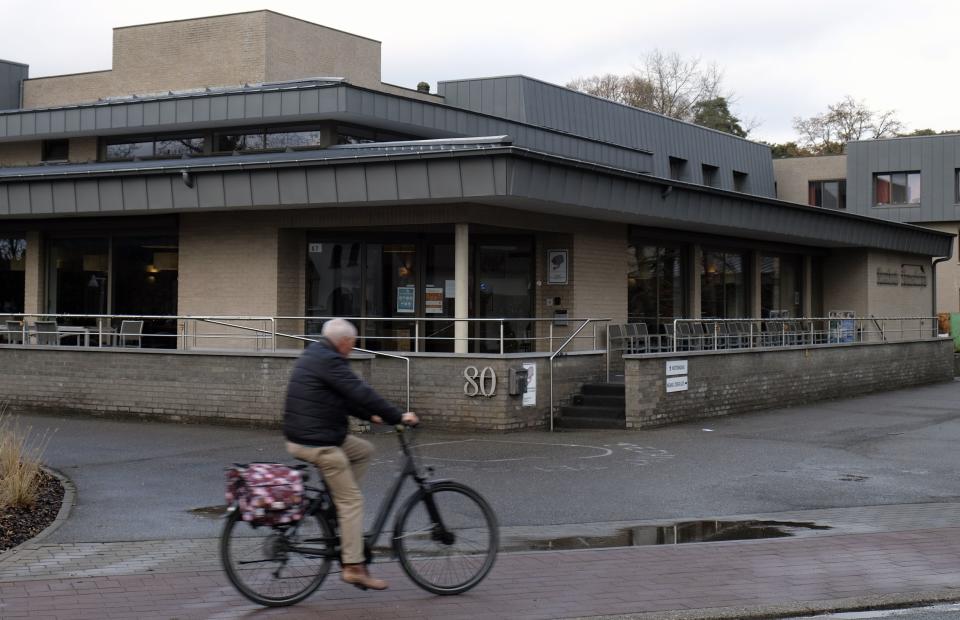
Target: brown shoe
(357,575)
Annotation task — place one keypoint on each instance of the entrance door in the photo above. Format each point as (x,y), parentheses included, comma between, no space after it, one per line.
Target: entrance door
(503,287)
(391,292)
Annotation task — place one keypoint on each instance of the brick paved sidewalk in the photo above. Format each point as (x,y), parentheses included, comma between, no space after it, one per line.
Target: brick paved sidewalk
(120,581)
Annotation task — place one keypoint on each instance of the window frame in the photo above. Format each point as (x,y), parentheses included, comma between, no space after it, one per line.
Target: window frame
(815,188)
(891,181)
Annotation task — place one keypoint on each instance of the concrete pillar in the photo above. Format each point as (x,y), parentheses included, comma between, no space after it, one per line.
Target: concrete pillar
(807,286)
(756,305)
(461,306)
(34,284)
(693,285)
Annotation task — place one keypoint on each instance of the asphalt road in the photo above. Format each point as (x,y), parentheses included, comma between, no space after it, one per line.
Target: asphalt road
(140,480)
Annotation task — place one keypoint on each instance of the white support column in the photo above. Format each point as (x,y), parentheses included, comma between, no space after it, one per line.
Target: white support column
(33,278)
(461,254)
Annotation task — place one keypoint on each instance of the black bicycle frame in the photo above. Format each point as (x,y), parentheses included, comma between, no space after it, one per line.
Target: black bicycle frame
(409,470)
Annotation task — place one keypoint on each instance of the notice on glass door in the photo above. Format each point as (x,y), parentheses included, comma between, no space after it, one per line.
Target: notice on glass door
(406,299)
(433,300)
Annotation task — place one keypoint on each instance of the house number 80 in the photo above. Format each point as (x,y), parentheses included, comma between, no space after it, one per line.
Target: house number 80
(479,382)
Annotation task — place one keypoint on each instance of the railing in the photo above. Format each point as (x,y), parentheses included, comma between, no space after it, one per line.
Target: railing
(271,333)
(726,334)
(560,349)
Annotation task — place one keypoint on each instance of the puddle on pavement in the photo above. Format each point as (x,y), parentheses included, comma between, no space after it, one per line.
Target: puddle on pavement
(677,533)
(211,512)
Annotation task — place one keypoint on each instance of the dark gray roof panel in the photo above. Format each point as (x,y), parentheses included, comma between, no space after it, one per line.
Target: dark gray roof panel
(541,104)
(489,174)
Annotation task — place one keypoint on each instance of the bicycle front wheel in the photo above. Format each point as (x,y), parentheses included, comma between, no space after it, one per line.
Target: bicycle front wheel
(446,537)
(276,567)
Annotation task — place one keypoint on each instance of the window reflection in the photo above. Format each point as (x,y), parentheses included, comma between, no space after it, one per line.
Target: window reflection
(13,254)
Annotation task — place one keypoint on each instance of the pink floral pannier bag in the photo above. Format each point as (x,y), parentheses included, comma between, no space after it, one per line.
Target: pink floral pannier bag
(266,493)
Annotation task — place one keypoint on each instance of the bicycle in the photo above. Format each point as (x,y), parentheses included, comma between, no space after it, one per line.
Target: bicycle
(445,535)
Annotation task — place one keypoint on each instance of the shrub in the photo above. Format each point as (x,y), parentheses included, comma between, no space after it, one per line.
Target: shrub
(20,453)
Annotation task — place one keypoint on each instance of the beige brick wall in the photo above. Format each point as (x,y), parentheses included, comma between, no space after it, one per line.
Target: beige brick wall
(224,50)
(83,150)
(898,301)
(20,153)
(948,272)
(845,280)
(298,49)
(793,174)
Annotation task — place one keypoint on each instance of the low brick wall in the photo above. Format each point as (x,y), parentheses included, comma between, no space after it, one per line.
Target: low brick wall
(729,382)
(250,388)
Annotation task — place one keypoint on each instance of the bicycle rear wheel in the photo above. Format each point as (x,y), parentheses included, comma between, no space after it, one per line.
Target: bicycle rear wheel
(446,537)
(276,567)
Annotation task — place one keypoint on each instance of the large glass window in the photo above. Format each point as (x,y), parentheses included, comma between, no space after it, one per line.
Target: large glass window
(144,277)
(13,254)
(153,147)
(828,194)
(723,288)
(656,285)
(896,188)
(781,285)
(503,288)
(78,281)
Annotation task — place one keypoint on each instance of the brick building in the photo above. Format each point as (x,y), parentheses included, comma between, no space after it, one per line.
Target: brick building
(256,165)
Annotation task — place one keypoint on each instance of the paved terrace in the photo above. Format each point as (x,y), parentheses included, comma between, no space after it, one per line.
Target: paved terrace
(880,471)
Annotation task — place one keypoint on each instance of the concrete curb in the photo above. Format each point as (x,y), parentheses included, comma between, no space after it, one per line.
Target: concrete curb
(763,612)
(69,496)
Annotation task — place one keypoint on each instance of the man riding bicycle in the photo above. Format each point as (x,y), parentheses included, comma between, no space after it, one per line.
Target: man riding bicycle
(321,395)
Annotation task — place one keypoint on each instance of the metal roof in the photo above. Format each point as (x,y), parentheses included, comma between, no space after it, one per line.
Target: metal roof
(478,172)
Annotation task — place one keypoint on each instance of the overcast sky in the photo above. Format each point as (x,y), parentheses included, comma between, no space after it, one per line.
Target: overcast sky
(781,59)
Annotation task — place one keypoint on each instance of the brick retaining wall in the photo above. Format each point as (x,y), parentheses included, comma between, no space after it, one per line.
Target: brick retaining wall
(250,388)
(737,381)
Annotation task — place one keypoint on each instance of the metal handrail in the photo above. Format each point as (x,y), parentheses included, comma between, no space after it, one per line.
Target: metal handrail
(307,339)
(557,352)
(832,322)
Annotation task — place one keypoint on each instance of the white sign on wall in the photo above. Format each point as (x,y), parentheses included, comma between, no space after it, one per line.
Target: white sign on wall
(676,367)
(676,384)
(530,396)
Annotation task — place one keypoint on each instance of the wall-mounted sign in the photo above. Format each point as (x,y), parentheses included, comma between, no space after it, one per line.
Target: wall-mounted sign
(530,396)
(676,367)
(479,382)
(433,300)
(676,384)
(407,299)
(450,288)
(315,248)
(557,266)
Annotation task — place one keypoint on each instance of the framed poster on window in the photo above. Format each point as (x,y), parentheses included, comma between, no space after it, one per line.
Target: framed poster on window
(406,299)
(557,266)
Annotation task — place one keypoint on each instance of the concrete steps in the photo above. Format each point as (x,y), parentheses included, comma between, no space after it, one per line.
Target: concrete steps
(597,406)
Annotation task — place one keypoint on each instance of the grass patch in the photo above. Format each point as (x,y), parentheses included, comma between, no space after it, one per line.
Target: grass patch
(21,451)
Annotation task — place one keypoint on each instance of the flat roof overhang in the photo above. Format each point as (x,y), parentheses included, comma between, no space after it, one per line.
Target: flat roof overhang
(481,173)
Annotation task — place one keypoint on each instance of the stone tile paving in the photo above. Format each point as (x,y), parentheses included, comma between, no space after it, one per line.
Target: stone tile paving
(915,553)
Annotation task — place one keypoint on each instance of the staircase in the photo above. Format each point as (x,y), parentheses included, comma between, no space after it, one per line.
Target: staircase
(597,406)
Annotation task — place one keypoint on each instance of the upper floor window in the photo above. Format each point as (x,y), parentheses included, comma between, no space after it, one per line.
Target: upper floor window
(896,188)
(678,168)
(56,150)
(740,181)
(956,186)
(349,134)
(829,194)
(269,139)
(711,175)
(153,147)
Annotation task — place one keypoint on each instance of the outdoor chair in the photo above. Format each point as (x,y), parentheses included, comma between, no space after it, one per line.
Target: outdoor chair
(130,333)
(703,338)
(684,337)
(638,337)
(14,332)
(47,334)
(665,338)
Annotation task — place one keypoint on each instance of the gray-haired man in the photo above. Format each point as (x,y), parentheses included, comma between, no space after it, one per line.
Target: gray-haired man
(323,392)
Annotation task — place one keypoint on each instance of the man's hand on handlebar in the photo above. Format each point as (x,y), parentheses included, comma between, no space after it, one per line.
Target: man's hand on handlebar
(409,419)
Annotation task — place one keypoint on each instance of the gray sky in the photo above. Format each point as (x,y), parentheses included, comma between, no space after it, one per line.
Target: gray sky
(782,59)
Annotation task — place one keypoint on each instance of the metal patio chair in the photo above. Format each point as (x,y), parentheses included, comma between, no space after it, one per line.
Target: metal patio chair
(47,333)
(130,334)
(14,332)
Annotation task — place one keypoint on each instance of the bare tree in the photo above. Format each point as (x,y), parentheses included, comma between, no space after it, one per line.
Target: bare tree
(845,121)
(664,82)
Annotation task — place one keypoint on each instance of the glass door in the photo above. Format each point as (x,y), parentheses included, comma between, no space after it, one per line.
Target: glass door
(503,287)
(391,292)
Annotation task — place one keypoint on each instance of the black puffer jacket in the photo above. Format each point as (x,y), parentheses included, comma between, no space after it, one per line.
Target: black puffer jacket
(322,393)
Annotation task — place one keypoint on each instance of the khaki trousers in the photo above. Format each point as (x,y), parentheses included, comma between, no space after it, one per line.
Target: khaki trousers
(342,468)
